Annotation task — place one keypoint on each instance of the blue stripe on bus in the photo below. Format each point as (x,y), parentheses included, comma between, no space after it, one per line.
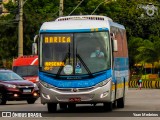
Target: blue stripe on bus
(121,64)
(75,83)
(121,70)
(72,30)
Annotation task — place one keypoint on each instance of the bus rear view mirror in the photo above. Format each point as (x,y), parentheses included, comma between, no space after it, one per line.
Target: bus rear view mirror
(114,42)
(36,38)
(34,45)
(115,46)
(34,48)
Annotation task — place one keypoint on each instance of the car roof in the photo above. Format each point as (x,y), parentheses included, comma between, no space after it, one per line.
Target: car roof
(5,70)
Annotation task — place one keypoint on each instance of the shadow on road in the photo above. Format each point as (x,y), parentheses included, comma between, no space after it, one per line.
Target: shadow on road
(84,111)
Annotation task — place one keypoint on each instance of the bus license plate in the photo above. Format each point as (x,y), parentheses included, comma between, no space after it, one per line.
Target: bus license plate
(27,90)
(74,99)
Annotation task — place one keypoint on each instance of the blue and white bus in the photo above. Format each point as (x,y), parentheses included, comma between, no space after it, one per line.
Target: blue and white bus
(71,72)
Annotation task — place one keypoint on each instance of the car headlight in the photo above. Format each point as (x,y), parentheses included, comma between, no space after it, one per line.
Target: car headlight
(37,79)
(46,85)
(10,86)
(103,83)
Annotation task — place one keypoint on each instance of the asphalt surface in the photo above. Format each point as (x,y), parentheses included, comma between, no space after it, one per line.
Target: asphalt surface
(140,104)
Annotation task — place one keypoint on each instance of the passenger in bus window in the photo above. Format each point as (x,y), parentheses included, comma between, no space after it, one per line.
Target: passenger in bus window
(98,53)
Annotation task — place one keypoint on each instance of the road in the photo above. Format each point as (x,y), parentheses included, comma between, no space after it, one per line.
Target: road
(138,102)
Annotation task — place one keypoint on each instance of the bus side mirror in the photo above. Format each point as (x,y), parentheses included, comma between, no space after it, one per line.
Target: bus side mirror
(34,45)
(36,38)
(115,46)
(114,42)
(34,48)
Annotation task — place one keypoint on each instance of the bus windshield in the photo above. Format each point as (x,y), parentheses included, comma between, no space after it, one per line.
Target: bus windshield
(75,53)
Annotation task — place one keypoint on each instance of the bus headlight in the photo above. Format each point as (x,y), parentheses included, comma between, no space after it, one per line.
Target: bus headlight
(103,83)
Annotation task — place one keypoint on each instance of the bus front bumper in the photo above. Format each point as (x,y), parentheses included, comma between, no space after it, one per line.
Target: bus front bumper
(83,95)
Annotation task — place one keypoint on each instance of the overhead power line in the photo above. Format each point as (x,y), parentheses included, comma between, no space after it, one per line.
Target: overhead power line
(105,1)
(76,7)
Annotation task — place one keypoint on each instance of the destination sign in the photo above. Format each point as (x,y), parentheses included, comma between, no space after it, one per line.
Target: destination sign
(57,39)
(53,64)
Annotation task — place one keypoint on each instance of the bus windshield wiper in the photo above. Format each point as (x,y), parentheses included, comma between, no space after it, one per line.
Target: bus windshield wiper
(60,69)
(85,66)
(64,60)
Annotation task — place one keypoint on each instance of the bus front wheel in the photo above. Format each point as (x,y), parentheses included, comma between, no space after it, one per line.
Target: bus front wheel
(72,106)
(52,107)
(120,103)
(63,105)
(107,106)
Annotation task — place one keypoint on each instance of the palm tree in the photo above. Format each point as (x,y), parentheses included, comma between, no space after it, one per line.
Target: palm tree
(149,52)
(133,44)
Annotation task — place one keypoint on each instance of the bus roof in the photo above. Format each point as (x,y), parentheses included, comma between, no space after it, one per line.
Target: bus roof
(76,23)
(82,17)
(26,60)
(116,25)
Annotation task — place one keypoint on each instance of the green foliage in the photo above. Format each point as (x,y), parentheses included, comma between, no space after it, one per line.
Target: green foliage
(143,34)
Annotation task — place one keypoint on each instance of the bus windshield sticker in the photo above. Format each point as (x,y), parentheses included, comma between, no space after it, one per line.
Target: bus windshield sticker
(68,69)
(78,68)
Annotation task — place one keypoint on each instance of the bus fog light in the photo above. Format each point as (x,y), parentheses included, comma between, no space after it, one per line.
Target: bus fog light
(104,94)
(46,96)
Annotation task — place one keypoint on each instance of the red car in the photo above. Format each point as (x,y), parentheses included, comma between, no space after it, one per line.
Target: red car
(14,87)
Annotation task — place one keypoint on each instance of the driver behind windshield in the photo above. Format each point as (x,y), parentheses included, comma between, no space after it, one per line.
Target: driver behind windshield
(98,53)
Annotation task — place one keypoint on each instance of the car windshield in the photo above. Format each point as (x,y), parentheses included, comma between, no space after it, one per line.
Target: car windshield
(9,76)
(75,53)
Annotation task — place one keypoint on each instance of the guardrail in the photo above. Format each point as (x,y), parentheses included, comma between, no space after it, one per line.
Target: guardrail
(145,84)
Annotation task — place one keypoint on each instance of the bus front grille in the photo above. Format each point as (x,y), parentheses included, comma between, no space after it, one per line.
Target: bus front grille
(65,98)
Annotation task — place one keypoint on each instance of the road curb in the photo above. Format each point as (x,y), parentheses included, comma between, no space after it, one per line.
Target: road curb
(145,84)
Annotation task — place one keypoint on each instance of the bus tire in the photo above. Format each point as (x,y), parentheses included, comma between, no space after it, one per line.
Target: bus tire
(120,103)
(52,107)
(62,105)
(114,104)
(71,106)
(107,106)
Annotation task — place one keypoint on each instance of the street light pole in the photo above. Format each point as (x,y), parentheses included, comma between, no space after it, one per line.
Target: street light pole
(20,29)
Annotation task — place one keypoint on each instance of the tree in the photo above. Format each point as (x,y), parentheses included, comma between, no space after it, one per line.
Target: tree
(149,52)
(133,45)
(37,12)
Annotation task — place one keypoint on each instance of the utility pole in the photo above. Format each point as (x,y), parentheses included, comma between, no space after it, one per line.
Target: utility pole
(20,29)
(61,8)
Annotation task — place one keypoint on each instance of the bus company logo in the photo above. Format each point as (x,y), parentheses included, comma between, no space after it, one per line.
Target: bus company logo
(74,90)
(150,10)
